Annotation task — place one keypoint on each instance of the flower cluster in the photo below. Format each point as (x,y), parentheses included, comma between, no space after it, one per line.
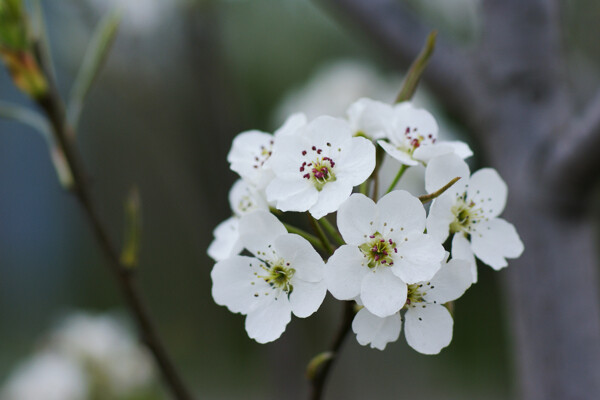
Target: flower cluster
(387,256)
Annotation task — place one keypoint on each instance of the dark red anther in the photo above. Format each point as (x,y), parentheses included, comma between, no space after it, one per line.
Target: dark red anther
(314,148)
(303,152)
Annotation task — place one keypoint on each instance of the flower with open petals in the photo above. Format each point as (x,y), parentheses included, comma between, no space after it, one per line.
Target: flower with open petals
(251,150)
(284,276)
(413,137)
(370,118)
(386,250)
(243,199)
(317,167)
(427,323)
(469,211)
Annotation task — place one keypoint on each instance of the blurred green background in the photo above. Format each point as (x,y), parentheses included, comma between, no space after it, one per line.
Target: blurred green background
(182,80)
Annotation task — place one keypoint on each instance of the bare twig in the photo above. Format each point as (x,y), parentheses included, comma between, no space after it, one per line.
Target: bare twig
(53,107)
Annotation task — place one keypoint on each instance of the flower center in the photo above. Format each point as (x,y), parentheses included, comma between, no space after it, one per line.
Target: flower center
(465,215)
(320,170)
(246,204)
(378,251)
(278,275)
(415,294)
(263,155)
(414,139)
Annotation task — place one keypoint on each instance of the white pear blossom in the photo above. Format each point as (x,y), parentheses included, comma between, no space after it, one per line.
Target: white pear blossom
(370,118)
(243,199)
(413,137)
(469,211)
(386,250)
(49,376)
(317,167)
(106,348)
(251,150)
(427,322)
(284,276)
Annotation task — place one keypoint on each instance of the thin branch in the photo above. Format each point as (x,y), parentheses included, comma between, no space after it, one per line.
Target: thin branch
(400,34)
(54,109)
(426,198)
(319,379)
(573,165)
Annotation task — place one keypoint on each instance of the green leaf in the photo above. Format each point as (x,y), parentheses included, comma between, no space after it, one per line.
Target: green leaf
(41,125)
(13,25)
(93,60)
(411,81)
(133,229)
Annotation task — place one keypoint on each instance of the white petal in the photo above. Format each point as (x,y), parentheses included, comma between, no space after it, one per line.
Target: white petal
(292,195)
(376,331)
(488,191)
(226,242)
(418,258)
(330,198)
(461,149)
(427,152)
(440,217)
(357,161)
(287,154)
(357,218)
(327,129)
(370,117)
(266,324)
(291,125)
(418,120)
(428,328)
(301,256)
(495,240)
(461,250)
(247,147)
(401,210)
(244,199)
(394,152)
(258,230)
(442,170)
(382,292)
(344,272)
(451,281)
(232,284)
(306,298)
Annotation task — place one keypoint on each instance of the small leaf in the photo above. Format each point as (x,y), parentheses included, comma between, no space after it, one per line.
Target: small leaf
(315,364)
(411,81)
(93,60)
(37,122)
(133,229)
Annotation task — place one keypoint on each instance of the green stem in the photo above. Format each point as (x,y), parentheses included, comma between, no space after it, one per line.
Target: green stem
(315,241)
(319,231)
(403,168)
(364,187)
(332,230)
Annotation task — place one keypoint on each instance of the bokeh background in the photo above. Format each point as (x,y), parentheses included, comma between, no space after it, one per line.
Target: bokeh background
(182,80)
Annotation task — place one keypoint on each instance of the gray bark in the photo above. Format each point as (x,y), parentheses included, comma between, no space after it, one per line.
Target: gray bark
(511,92)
